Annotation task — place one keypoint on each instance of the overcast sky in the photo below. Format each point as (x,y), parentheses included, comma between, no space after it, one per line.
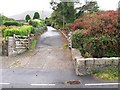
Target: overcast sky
(13,7)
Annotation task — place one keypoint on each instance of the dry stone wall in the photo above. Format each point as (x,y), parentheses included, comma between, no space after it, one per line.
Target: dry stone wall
(11,47)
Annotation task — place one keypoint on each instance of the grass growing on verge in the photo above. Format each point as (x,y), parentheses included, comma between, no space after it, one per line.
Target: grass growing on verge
(33,44)
(108,74)
(66,46)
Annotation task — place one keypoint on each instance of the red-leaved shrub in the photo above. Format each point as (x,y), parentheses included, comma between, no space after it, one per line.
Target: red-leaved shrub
(101,31)
(101,23)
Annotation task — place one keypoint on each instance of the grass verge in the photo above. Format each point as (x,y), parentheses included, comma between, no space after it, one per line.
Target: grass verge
(33,44)
(108,74)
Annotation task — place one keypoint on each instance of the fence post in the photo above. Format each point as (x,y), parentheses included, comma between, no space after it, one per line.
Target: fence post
(3,48)
(28,41)
(70,39)
(14,42)
(7,43)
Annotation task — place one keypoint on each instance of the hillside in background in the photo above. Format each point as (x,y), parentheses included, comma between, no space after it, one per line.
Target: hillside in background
(43,14)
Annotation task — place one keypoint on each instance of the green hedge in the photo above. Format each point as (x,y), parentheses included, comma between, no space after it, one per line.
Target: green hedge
(23,31)
(12,23)
(102,46)
(37,24)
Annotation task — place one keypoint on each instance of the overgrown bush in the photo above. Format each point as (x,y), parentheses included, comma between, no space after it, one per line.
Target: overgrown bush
(102,46)
(66,29)
(12,23)
(98,34)
(4,19)
(47,22)
(96,47)
(78,40)
(36,23)
(105,23)
(23,31)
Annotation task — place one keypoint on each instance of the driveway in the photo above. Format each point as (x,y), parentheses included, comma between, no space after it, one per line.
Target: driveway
(48,66)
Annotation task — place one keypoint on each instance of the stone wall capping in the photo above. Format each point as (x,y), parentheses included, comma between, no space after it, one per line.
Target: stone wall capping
(110,58)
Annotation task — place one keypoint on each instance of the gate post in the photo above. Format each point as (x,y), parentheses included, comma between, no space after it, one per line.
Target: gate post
(3,48)
(28,42)
(7,43)
(14,40)
(70,40)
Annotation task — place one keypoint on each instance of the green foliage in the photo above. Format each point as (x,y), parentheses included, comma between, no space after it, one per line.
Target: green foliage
(63,13)
(47,21)
(67,12)
(12,23)
(23,31)
(36,15)
(66,46)
(107,74)
(102,46)
(1,21)
(118,6)
(27,18)
(33,44)
(78,40)
(90,7)
(98,34)
(4,19)
(36,23)
(79,14)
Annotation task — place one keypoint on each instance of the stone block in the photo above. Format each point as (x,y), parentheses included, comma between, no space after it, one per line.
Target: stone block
(80,62)
(89,62)
(75,53)
(81,71)
(111,61)
(116,60)
(99,61)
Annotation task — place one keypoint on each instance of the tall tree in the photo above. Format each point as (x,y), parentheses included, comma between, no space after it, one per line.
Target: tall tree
(4,18)
(119,6)
(36,15)
(27,18)
(90,7)
(64,12)
(1,21)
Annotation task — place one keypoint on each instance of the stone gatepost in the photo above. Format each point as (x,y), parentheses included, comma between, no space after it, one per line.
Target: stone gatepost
(11,46)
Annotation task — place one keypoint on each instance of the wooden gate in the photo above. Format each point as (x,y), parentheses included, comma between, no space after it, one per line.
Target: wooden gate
(21,42)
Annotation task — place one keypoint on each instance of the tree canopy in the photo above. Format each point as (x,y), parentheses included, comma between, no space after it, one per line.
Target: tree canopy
(67,12)
(36,15)
(27,18)
(90,7)
(64,12)
(4,19)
